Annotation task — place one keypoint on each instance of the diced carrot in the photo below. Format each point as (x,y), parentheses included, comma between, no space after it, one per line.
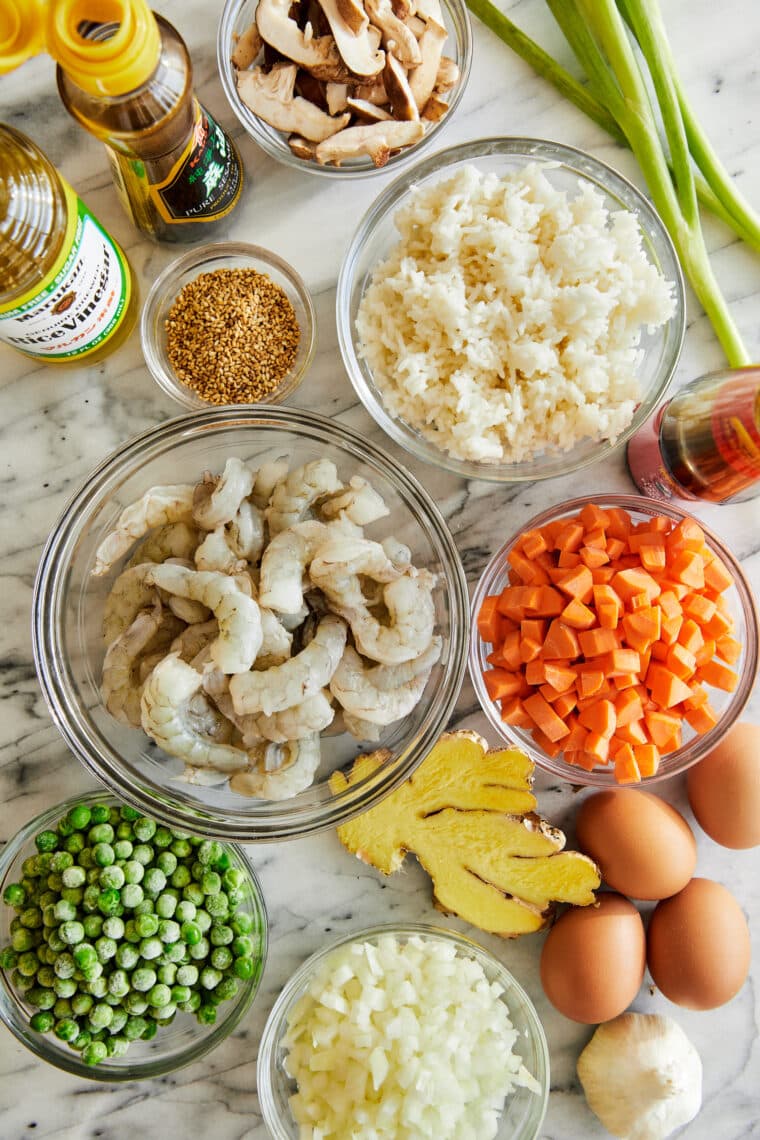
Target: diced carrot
(619,523)
(568,558)
(628,707)
(590,682)
(619,661)
(688,567)
(634,733)
(544,716)
(534,543)
(602,575)
(642,628)
(593,557)
(671,627)
(625,680)
(565,703)
(545,743)
(645,656)
(717,675)
(577,615)
(653,558)
(585,760)
(577,583)
(718,625)
(659,651)
(664,729)
(570,537)
(496,658)
(598,746)
(687,535)
(702,719)
(647,759)
(669,604)
(627,770)
(621,748)
(595,538)
(488,619)
(690,636)
(728,649)
(706,652)
(534,672)
(534,627)
(717,575)
(510,650)
(513,713)
(559,675)
(527,570)
(698,697)
(530,649)
(616,547)
(561,641)
(680,661)
(501,683)
(593,517)
(597,640)
(699,607)
(576,739)
(665,688)
(606,690)
(599,718)
(628,583)
(512,603)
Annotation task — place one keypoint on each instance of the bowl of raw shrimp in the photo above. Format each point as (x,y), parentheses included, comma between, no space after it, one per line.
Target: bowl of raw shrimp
(234,605)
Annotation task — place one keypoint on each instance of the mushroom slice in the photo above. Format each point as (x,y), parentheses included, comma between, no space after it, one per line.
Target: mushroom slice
(429,10)
(368,112)
(247,47)
(396,36)
(352,13)
(403,8)
(400,94)
(270,96)
(319,56)
(416,26)
(302,148)
(312,89)
(371,93)
(375,139)
(435,109)
(357,49)
(337,97)
(422,78)
(448,73)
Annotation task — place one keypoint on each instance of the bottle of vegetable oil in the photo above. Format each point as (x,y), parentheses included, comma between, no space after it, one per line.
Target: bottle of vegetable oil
(66,289)
(125,75)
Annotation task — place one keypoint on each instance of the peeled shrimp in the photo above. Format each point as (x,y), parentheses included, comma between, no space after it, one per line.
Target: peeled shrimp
(215,553)
(120,693)
(167,718)
(240,636)
(284,563)
(159,506)
(175,540)
(359,502)
(216,499)
(130,593)
(267,476)
(302,676)
(276,641)
(311,715)
(386,677)
(293,495)
(361,729)
(409,601)
(196,637)
(245,532)
(352,687)
(303,759)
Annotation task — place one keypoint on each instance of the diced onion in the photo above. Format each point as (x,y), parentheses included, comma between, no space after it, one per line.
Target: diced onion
(401,1041)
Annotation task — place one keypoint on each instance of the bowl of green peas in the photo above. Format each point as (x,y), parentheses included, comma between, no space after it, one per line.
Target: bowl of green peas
(127,949)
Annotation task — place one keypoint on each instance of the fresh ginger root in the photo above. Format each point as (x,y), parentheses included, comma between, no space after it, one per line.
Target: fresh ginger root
(468,815)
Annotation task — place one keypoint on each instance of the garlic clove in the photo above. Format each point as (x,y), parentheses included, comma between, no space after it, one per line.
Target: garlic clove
(641,1076)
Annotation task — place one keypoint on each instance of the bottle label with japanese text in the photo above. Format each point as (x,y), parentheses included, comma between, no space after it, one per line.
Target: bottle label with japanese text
(206,181)
(83,299)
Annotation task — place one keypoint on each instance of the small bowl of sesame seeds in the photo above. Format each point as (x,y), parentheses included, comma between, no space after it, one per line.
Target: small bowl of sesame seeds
(228,323)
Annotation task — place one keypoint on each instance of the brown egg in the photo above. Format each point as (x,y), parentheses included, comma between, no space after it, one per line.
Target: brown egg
(643,846)
(724,789)
(592,963)
(698,947)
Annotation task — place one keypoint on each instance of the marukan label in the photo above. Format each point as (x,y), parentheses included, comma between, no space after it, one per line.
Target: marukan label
(736,430)
(206,181)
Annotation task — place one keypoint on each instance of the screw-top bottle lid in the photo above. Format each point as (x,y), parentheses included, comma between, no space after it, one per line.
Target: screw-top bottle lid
(108,67)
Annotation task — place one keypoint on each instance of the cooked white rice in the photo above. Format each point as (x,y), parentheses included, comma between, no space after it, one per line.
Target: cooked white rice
(505,321)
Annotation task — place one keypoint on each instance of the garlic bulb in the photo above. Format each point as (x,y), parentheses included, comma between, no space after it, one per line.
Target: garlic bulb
(641,1076)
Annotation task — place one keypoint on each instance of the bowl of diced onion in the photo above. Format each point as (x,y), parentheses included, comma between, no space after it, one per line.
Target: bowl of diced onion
(409,1030)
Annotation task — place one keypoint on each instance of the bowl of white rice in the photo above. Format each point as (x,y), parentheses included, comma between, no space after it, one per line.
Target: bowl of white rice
(510,309)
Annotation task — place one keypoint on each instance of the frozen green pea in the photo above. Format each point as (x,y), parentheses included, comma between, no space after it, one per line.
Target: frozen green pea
(82,1041)
(165,1013)
(133,871)
(97,986)
(185,911)
(169,930)
(154,881)
(147,925)
(180,847)
(193,1004)
(166,905)
(221,958)
(8,958)
(129,813)
(118,1021)
(233,878)
(162,837)
(144,828)
(175,952)
(135,1027)
(112,876)
(116,1046)
(187,975)
(66,1029)
(181,877)
(85,858)
(167,973)
(181,994)
(91,898)
(61,861)
(144,979)
(113,927)
(21,982)
(109,901)
(46,841)
(75,843)
(93,925)
(242,947)
(193,893)
(103,855)
(106,949)
(64,911)
(23,940)
(211,883)
(150,948)
(130,932)
(62,1008)
(65,966)
(217,906)
(41,997)
(227,989)
(159,995)
(14,895)
(92,971)
(100,1016)
(31,918)
(206,1014)
(100,813)
(118,983)
(203,920)
(46,975)
(123,849)
(200,950)
(131,895)
(65,987)
(42,1022)
(243,968)
(100,833)
(147,906)
(71,932)
(209,851)
(242,923)
(143,854)
(28,964)
(73,895)
(94,1053)
(79,817)
(54,882)
(127,955)
(167,863)
(191,933)
(81,1004)
(135,1003)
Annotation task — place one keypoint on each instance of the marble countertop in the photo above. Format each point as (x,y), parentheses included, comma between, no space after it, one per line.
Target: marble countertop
(58,424)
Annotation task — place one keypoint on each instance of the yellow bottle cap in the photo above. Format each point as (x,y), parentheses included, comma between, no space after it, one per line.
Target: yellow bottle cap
(22,31)
(108,67)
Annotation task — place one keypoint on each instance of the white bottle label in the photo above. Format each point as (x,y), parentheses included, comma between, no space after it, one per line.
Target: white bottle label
(82,301)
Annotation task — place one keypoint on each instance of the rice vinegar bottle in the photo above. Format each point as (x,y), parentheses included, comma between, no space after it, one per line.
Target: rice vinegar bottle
(67,293)
(125,75)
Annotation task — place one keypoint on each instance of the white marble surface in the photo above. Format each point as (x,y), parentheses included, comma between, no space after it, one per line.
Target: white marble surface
(58,424)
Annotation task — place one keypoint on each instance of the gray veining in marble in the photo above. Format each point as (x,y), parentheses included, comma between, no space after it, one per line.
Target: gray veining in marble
(58,425)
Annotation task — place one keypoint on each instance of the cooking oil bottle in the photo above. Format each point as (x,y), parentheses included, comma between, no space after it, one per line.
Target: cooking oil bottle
(66,289)
(124,73)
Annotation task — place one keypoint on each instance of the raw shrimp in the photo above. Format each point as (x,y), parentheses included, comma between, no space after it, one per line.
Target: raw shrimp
(120,693)
(175,540)
(215,553)
(311,715)
(196,637)
(409,601)
(292,777)
(352,687)
(345,557)
(216,499)
(293,495)
(284,564)
(240,635)
(302,676)
(359,502)
(361,729)
(245,533)
(167,718)
(130,593)
(276,641)
(267,477)
(158,507)
(386,677)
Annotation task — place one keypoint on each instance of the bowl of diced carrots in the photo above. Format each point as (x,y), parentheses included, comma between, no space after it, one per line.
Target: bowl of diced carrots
(615,638)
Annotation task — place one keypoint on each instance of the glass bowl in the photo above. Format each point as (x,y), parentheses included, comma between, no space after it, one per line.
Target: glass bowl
(567,169)
(728,705)
(68,608)
(238,15)
(181,1042)
(205,259)
(524,1110)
